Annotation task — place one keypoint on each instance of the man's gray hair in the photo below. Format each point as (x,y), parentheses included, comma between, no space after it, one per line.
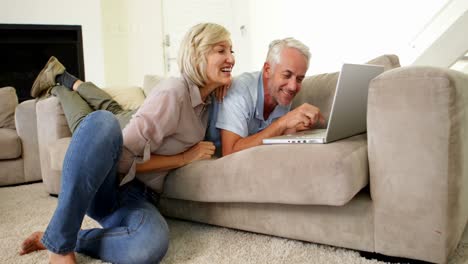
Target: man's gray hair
(276,46)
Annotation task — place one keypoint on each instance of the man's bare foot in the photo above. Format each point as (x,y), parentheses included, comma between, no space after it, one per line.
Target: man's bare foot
(32,243)
(69,258)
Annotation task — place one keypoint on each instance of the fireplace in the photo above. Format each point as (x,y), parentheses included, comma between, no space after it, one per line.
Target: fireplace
(24,50)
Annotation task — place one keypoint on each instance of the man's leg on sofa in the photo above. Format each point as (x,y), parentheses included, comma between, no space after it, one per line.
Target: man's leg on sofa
(74,106)
(97,98)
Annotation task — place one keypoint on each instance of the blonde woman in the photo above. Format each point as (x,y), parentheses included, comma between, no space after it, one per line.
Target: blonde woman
(165,133)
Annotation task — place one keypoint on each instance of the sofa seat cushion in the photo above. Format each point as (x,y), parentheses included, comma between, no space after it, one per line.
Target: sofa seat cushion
(311,174)
(10,144)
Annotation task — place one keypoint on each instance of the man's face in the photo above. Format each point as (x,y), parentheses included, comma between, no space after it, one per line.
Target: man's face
(285,78)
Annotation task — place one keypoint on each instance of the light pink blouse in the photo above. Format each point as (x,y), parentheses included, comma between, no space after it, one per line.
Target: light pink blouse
(172,119)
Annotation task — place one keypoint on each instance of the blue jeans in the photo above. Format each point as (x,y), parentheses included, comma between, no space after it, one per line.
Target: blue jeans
(133,230)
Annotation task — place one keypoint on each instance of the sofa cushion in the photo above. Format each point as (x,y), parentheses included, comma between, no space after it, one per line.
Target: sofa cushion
(8,103)
(389,61)
(149,82)
(128,97)
(312,174)
(10,144)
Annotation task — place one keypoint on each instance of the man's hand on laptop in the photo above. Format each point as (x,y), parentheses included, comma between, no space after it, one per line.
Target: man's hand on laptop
(301,118)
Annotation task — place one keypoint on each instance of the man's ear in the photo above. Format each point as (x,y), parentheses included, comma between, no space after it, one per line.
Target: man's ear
(266,70)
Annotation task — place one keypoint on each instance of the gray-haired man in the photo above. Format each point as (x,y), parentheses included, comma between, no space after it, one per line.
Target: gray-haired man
(257,105)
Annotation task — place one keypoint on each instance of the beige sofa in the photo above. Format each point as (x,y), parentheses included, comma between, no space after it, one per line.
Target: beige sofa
(400,190)
(19,152)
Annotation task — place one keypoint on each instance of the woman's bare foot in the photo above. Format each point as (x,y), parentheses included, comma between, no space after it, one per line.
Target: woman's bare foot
(62,259)
(32,243)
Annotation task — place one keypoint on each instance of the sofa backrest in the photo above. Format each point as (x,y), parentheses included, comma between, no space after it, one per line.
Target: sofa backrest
(319,89)
(129,97)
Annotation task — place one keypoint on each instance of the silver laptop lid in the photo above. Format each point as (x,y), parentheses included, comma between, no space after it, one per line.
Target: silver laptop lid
(349,109)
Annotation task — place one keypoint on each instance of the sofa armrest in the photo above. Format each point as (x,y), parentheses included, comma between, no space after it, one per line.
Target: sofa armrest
(418,156)
(51,126)
(25,121)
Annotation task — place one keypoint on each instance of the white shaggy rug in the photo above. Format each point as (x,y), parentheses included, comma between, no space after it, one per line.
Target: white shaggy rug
(27,208)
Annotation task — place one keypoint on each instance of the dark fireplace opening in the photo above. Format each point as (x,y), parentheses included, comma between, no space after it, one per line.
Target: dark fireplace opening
(25,49)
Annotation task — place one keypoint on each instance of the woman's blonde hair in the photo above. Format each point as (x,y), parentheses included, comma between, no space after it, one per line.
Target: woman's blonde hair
(197,42)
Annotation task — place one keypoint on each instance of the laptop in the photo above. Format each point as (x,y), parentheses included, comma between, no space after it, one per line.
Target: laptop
(349,109)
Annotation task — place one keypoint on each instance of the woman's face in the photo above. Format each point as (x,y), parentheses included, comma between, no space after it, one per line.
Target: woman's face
(219,63)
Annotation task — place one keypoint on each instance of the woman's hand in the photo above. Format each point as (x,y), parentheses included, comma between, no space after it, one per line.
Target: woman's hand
(202,150)
(221,92)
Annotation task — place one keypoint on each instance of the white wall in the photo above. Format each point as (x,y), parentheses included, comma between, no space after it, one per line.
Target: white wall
(340,31)
(86,13)
(336,31)
(449,47)
(443,40)
(123,39)
(241,35)
(132,36)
